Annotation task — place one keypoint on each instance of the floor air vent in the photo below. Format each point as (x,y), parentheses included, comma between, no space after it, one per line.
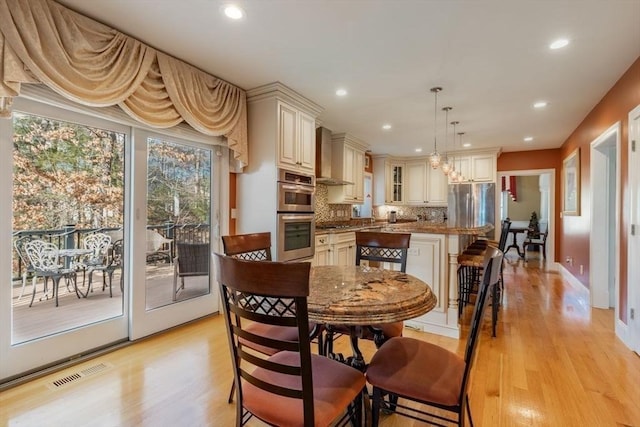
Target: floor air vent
(77,376)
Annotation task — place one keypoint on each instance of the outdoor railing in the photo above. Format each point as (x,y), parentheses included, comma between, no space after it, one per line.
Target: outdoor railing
(70,237)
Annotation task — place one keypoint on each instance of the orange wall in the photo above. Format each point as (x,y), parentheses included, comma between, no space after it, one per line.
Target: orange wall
(614,107)
(573,231)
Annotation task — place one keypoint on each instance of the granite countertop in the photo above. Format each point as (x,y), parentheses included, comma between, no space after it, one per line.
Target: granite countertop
(360,295)
(410,227)
(437,228)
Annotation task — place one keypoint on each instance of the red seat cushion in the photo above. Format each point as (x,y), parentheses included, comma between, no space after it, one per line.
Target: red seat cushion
(335,385)
(417,369)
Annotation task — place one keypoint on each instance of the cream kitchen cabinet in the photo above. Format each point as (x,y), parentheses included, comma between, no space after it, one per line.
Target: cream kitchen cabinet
(477,167)
(343,248)
(388,181)
(347,163)
(296,139)
(322,254)
(410,182)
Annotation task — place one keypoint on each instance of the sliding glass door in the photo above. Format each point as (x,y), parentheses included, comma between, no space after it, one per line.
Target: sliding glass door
(69,178)
(63,178)
(174,226)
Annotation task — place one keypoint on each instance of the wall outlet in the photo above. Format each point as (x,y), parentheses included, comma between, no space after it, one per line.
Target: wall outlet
(414,251)
(569,261)
(582,269)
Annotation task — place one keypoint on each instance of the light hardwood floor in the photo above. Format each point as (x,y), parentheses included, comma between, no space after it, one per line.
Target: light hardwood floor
(555,362)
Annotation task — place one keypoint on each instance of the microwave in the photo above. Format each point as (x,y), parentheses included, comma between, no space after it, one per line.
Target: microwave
(296,192)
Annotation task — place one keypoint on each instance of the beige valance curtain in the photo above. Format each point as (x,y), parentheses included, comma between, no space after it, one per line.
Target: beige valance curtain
(92,64)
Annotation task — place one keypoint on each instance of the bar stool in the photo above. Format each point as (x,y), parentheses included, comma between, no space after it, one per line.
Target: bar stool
(470,271)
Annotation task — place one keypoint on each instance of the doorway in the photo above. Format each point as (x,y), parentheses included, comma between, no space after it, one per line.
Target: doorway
(605,227)
(547,210)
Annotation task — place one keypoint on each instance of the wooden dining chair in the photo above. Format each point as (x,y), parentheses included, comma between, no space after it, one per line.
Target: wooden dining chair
(378,247)
(536,239)
(292,386)
(257,247)
(428,374)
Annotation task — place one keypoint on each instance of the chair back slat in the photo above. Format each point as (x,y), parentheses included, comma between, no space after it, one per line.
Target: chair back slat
(249,247)
(383,247)
(192,259)
(44,256)
(271,293)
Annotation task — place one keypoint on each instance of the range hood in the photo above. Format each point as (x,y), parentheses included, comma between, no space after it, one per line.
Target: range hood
(323,159)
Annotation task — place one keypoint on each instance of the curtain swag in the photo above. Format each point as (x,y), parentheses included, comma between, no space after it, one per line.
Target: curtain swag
(93,64)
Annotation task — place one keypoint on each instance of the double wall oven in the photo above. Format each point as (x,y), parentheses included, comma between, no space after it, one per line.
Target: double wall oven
(296,220)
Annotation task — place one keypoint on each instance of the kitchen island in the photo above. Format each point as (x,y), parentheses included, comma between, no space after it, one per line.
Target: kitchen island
(433,258)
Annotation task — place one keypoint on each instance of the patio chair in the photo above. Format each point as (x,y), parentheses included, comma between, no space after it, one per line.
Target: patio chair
(158,246)
(112,262)
(99,245)
(44,258)
(27,268)
(192,260)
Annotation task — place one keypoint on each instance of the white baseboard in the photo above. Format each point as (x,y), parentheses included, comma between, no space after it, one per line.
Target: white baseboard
(573,281)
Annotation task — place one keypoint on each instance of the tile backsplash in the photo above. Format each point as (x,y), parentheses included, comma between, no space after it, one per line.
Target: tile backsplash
(326,212)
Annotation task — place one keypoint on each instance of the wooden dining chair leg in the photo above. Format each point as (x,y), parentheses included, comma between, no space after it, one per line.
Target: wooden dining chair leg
(231,392)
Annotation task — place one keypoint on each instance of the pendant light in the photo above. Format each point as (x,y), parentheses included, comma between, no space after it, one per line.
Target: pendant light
(460,175)
(453,173)
(434,158)
(446,166)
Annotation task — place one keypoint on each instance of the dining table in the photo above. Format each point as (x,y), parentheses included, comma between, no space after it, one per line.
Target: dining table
(360,296)
(514,244)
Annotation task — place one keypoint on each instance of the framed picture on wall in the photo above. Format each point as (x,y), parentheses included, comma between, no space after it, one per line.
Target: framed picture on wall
(571,183)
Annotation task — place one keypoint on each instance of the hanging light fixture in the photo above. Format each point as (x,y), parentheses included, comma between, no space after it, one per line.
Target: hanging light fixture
(453,173)
(446,166)
(460,175)
(434,158)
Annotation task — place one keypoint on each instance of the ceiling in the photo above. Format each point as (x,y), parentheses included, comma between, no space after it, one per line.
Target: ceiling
(490,57)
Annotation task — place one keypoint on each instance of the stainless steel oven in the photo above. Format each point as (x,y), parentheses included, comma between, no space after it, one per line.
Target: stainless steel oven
(296,192)
(296,236)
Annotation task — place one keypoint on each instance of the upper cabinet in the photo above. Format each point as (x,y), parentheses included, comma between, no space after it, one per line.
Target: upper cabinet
(296,139)
(480,167)
(347,163)
(408,182)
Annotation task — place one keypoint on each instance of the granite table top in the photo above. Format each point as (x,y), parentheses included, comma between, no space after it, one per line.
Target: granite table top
(361,295)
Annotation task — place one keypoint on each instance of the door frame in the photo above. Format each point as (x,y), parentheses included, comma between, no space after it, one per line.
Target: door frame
(551,247)
(599,266)
(629,332)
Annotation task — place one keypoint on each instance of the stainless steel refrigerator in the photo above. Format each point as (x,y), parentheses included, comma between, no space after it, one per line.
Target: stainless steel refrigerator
(472,205)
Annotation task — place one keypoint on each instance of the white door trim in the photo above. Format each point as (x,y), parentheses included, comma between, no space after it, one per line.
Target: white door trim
(629,332)
(599,266)
(551,248)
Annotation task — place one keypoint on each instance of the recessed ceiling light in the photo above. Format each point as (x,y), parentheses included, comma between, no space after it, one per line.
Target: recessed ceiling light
(418,150)
(540,104)
(232,11)
(559,44)
(386,127)
(341,92)
(466,145)
(528,138)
